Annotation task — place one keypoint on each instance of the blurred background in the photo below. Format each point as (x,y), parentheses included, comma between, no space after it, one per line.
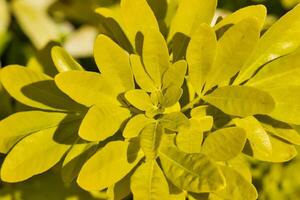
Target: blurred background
(28,31)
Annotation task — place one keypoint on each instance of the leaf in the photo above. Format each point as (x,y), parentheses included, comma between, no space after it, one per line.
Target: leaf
(281,39)
(75,158)
(29,122)
(273,75)
(287,104)
(140,75)
(135,125)
(191,172)
(121,189)
(171,96)
(35,89)
(103,168)
(155,56)
(174,121)
(77,85)
(63,61)
(241,100)
(189,139)
(35,23)
(139,99)
(258,12)
(224,144)
(43,150)
(190,14)
(281,130)
(233,49)
(113,61)
(200,55)
(237,187)
(149,183)
(199,111)
(281,151)
(175,74)
(102,121)
(258,138)
(150,139)
(143,20)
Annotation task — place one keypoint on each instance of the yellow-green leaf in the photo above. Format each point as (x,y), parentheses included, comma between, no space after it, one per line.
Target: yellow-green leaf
(274,74)
(258,138)
(200,55)
(189,139)
(258,12)
(113,61)
(281,39)
(155,56)
(171,96)
(233,49)
(150,139)
(21,124)
(102,121)
(121,189)
(224,144)
(35,89)
(175,74)
(142,21)
(190,14)
(77,85)
(63,61)
(149,183)
(237,187)
(139,99)
(241,100)
(140,75)
(43,150)
(287,104)
(104,169)
(174,121)
(191,172)
(75,158)
(135,125)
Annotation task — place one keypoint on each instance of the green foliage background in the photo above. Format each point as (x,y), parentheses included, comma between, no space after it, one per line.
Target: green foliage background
(69,20)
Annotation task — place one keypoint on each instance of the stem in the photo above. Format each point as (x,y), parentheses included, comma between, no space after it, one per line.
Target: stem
(191,104)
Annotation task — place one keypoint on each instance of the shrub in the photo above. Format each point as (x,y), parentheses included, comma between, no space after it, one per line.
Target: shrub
(175,111)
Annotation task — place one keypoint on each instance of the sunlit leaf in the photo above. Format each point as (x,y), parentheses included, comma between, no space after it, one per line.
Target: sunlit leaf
(139,99)
(237,187)
(142,21)
(233,49)
(113,61)
(281,39)
(171,96)
(43,150)
(155,56)
(224,144)
(148,182)
(191,172)
(258,138)
(287,104)
(175,74)
(35,89)
(77,85)
(103,168)
(63,61)
(200,55)
(28,123)
(241,100)
(174,121)
(150,139)
(190,14)
(102,121)
(140,75)
(258,12)
(135,125)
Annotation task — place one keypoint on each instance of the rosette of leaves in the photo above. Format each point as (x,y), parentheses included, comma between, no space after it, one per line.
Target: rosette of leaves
(169,116)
